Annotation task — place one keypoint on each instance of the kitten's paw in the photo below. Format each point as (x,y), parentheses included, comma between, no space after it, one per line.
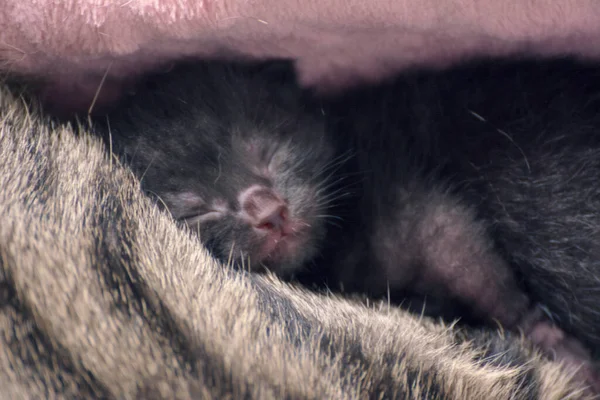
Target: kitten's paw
(562,347)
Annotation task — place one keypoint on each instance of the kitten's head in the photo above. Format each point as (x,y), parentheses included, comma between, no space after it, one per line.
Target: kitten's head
(261,203)
(244,166)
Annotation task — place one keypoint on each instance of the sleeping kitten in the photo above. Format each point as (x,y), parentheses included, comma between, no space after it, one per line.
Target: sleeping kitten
(238,154)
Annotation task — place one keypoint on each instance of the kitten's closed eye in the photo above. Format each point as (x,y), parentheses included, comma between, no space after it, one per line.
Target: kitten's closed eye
(190,207)
(201,216)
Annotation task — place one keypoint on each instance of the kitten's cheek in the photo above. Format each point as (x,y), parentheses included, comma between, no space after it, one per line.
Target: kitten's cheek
(309,203)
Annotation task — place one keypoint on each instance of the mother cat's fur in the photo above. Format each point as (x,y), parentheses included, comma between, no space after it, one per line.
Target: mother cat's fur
(102,296)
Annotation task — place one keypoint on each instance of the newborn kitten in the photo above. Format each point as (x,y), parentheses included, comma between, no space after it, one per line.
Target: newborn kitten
(460,211)
(236,152)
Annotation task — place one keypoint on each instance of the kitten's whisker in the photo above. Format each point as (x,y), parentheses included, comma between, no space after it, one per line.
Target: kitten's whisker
(333,195)
(329,216)
(336,163)
(147,168)
(333,223)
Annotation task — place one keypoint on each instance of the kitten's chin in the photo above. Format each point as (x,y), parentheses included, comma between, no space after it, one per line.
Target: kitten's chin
(285,255)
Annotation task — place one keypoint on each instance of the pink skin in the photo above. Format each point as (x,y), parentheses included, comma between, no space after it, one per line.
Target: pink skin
(557,344)
(281,234)
(72,44)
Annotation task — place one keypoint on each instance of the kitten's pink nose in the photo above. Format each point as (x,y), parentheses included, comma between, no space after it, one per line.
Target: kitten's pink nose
(273,217)
(264,210)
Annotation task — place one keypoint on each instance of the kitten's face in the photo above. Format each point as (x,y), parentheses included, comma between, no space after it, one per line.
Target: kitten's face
(257,198)
(239,156)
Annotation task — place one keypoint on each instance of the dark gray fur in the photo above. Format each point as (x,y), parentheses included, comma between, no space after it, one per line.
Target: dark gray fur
(206,132)
(489,198)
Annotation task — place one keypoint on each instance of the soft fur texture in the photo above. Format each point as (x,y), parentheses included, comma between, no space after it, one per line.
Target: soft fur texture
(218,145)
(104,297)
(516,144)
(476,176)
(71,44)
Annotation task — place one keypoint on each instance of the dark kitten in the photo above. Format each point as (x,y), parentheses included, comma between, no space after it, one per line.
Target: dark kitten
(479,189)
(238,153)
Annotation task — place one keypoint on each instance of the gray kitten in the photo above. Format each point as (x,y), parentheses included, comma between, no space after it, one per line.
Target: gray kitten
(238,154)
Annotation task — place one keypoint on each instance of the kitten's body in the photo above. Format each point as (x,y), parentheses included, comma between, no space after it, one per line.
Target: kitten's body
(491,191)
(515,146)
(533,173)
